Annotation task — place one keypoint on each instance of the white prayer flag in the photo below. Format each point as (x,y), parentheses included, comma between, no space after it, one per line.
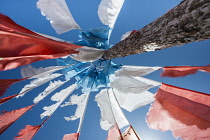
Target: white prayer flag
(81,102)
(125,35)
(109,10)
(130,101)
(59,15)
(88,54)
(29,71)
(110,111)
(135,70)
(133,85)
(59,97)
(37,82)
(52,86)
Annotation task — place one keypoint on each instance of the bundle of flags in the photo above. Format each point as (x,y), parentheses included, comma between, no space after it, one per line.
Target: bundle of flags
(183,111)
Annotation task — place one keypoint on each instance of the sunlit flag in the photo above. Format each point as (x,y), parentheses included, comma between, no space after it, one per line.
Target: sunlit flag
(184,112)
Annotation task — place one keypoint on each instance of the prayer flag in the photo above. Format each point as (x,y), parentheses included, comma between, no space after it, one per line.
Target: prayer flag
(114,133)
(108,11)
(161,118)
(26,47)
(59,15)
(59,97)
(52,86)
(110,111)
(28,133)
(130,134)
(125,35)
(135,71)
(26,43)
(8,118)
(6,83)
(14,62)
(7,24)
(37,82)
(131,101)
(81,102)
(134,85)
(178,71)
(73,136)
(3,100)
(31,72)
(88,54)
(185,112)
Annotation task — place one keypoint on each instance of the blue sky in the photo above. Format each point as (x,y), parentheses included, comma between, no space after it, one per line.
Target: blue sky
(134,15)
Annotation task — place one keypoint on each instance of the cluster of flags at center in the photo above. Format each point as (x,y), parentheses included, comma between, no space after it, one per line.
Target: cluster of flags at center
(180,110)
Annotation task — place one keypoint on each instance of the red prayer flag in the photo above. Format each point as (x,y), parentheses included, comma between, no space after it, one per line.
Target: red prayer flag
(73,136)
(185,112)
(8,118)
(191,95)
(6,83)
(178,71)
(19,45)
(3,100)
(114,133)
(193,102)
(130,134)
(13,62)
(7,24)
(161,119)
(28,133)
(206,68)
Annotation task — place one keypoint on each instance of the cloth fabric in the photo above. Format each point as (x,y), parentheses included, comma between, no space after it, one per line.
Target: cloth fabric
(81,102)
(73,136)
(87,54)
(196,103)
(31,72)
(160,118)
(28,132)
(135,71)
(6,83)
(130,101)
(36,83)
(99,76)
(95,38)
(125,35)
(184,112)
(130,134)
(111,113)
(74,65)
(108,11)
(126,84)
(5,99)
(114,133)
(59,15)
(52,86)
(59,97)
(99,73)
(8,118)
(26,47)
(179,71)
(14,62)
(7,24)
